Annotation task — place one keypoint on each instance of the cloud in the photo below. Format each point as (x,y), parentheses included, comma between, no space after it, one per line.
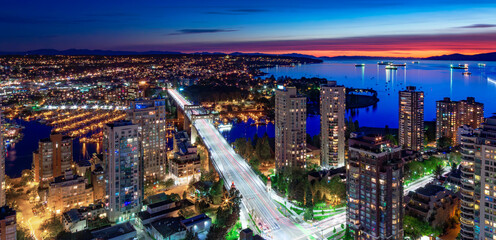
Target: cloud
(414,42)
(479,26)
(198,31)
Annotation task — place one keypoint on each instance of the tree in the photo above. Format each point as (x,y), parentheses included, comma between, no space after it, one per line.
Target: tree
(416,228)
(185,195)
(190,235)
(308,197)
(53,226)
(169,183)
(438,171)
(444,142)
(23,233)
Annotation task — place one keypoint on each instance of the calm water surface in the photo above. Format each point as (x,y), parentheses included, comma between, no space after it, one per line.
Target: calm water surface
(435,78)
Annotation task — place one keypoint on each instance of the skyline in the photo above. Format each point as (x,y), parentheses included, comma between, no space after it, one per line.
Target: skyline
(382,28)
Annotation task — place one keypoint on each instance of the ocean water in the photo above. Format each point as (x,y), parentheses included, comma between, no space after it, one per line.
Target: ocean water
(435,78)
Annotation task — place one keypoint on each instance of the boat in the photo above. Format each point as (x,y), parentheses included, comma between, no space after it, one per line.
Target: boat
(415,62)
(390,67)
(398,65)
(225,127)
(384,63)
(466,73)
(481,65)
(460,66)
(360,65)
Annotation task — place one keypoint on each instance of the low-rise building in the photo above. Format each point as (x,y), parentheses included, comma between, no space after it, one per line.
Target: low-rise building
(123,231)
(67,192)
(186,164)
(175,228)
(197,224)
(76,220)
(166,228)
(433,204)
(162,209)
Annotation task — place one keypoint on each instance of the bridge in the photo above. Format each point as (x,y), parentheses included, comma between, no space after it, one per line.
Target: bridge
(257,201)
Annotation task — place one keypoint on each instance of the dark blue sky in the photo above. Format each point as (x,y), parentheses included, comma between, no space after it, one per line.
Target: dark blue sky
(352,27)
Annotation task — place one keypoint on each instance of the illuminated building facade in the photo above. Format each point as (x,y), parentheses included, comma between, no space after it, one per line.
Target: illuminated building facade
(122,159)
(478,190)
(374,189)
(450,115)
(53,157)
(68,191)
(411,119)
(332,125)
(150,117)
(290,128)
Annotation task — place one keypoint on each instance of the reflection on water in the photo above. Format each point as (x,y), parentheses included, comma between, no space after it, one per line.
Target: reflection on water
(435,78)
(19,156)
(248,129)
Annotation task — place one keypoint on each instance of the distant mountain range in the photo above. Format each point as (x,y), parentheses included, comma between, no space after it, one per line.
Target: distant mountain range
(456,57)
(461,57)
(81,52)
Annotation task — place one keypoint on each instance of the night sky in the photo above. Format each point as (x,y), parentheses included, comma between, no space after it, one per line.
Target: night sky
(322,28)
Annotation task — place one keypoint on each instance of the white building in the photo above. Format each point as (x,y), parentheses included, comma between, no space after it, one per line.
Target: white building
(122,159)
(150,116)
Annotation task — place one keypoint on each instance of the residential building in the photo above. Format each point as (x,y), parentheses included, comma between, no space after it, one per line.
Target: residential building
(8,223)
(175,228)
(149,116)
(163,209)
(122,159)
(290,128)
(374,187)
(332,125)
(53,157)
(185,164)
(98,183)
(76,220)
(463,130)
(411,119)
(451,115)
(471,112)
(123,231)
(433,204)
(68,191)
(478,189)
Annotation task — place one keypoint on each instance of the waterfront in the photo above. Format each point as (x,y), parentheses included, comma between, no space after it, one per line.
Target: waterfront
(435,78)
(20,155)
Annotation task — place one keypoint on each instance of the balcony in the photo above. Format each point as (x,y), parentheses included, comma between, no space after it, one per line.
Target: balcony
(466,235)
(466,194)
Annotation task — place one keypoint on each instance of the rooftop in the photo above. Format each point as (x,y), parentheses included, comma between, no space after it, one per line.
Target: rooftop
(114,231)
(168,226)
(430,190)
(196,219)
